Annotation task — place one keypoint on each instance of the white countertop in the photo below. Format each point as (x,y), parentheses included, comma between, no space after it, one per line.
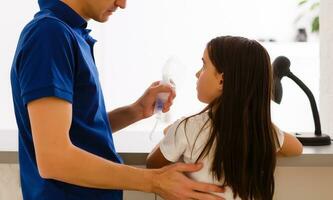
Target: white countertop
(134,147)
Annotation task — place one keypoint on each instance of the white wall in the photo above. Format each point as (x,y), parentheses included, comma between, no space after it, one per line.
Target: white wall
(326,66)
(134,44)
(13,16)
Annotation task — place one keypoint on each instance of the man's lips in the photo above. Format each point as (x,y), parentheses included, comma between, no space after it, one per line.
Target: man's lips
(111,10)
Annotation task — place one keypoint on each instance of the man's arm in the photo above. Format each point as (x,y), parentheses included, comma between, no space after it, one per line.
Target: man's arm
(57,158)
(124,116)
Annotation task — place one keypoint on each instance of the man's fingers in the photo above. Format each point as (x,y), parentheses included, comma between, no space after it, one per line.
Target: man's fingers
(167,106)
(156,87)
(201,187)
(205,196)
(156,83)
(162,88)
(207,187)
(182,167)
(186,188)
(172,95)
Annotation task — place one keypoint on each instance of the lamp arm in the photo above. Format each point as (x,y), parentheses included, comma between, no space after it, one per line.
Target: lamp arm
(312,102)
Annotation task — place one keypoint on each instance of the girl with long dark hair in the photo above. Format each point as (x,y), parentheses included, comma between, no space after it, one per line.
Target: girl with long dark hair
(234,136)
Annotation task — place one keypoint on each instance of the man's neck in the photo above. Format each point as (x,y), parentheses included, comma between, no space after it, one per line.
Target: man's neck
(77,7)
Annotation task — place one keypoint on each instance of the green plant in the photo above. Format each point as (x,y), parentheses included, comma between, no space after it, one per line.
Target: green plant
(312,8)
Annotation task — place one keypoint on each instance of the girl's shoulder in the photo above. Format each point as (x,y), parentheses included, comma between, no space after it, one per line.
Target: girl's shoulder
(194,122)
(200,118)
(191,127)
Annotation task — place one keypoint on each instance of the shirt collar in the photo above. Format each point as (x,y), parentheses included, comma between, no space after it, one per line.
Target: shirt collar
(63,12)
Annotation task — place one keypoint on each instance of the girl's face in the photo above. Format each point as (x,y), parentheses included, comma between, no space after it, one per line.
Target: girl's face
(210,82)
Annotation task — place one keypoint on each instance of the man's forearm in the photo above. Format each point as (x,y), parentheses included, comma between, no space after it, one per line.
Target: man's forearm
(124,116)
(76,166)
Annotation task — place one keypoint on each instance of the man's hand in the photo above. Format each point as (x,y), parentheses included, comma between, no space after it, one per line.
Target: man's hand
(170,183)
(146,103)
(142,108)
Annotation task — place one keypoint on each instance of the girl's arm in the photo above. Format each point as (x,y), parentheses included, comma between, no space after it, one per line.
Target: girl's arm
(291,146)
(156,159)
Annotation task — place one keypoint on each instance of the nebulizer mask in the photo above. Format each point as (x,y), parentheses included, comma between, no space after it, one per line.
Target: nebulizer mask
(172,74)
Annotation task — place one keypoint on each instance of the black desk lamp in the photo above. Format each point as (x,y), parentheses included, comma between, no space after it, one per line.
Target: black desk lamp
(281,68)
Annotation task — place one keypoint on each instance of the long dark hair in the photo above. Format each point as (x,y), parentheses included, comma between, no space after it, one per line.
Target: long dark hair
(242,137)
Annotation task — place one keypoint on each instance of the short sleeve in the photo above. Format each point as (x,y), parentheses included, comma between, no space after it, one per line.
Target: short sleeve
(280,137)
(174,143)
(46,62)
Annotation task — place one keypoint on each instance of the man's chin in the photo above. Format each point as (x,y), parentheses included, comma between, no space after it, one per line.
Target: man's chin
(102,19)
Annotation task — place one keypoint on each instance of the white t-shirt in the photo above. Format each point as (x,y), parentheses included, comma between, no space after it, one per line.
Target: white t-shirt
(176,146)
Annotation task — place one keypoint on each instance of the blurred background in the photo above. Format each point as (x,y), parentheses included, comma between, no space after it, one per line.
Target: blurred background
(134,44)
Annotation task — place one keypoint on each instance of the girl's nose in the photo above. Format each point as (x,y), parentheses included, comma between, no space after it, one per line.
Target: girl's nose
(198,73)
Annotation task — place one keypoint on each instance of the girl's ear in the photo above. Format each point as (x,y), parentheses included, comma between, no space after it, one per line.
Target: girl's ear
(221,77)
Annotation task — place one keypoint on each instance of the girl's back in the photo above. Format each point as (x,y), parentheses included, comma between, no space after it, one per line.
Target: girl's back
(186,142)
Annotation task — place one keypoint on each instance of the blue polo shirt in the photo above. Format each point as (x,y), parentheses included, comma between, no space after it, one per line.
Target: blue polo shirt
(54,58)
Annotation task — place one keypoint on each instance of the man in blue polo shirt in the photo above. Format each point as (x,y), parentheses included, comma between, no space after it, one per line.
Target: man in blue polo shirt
(66,149)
